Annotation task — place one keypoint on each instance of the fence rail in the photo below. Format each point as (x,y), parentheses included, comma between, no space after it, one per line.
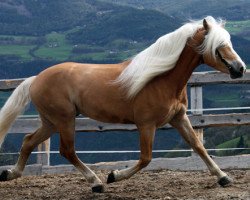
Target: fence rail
(197,79)
(28,125)
(198,119)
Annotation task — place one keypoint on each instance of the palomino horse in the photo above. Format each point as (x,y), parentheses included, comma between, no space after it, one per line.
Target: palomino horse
(149,91)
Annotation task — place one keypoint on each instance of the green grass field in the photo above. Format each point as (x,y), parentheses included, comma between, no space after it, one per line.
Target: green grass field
(17,38)
(233,144)
(229,144)
(238,28)
(21,51)
(56,47)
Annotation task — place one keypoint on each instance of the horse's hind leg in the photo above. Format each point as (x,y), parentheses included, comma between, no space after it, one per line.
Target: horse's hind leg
(67,149)
(182,124)
(30,141)
(147,134)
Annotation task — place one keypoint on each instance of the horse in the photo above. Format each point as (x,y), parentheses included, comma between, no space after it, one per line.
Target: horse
(148,90)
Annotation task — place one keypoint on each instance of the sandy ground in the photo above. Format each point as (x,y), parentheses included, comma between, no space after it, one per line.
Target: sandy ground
(150,185)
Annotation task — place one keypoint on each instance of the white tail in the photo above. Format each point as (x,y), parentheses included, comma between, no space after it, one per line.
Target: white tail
(14,106)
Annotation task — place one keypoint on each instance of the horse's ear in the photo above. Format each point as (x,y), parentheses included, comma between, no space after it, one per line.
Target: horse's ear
(206,25)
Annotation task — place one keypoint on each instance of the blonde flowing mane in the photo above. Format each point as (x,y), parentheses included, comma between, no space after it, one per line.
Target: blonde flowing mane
(162,56)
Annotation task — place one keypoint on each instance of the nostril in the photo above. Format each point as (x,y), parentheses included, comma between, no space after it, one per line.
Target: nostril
(242,69)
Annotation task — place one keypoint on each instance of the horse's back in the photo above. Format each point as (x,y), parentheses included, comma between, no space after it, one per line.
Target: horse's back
(73,76)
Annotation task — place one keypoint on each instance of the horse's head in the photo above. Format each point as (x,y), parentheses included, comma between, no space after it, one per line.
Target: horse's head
(217,49)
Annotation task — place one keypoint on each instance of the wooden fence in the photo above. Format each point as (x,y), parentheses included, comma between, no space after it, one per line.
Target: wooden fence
(198,119)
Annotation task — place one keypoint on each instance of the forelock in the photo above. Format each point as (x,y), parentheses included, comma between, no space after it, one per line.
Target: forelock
(217,36)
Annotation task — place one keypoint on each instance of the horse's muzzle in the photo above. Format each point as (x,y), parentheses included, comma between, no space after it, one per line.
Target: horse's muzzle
(236,69)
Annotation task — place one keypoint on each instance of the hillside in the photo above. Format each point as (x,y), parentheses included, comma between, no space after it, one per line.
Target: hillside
(227,9)
(37,34)
(236,13)
(42,33)
(31,17)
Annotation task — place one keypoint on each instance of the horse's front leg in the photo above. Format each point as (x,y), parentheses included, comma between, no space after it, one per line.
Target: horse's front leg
(183,125)
(147,134)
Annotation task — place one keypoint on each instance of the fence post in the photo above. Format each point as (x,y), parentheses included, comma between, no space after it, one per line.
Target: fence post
(196,107)
(44,158)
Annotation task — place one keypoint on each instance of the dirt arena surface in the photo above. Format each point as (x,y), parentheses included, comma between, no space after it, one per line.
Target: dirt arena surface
(149,185)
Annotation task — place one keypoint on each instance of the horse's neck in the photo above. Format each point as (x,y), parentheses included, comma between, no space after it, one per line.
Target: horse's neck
(172,84)
(180,74)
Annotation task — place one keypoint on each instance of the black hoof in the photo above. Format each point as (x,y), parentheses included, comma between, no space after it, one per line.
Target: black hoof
(225,181)
(111,178)
(4,175)
(98,189)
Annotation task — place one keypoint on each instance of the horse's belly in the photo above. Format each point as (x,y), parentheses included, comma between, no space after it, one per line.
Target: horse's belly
(106,116)
(106,110)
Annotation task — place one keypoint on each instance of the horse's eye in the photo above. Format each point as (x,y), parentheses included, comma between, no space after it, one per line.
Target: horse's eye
(216,52)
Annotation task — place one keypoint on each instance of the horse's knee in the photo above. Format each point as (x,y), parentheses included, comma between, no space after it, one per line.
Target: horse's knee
(67,153)
(144,162)
(27,146)
(197,145)
(27,138)
(63,153)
